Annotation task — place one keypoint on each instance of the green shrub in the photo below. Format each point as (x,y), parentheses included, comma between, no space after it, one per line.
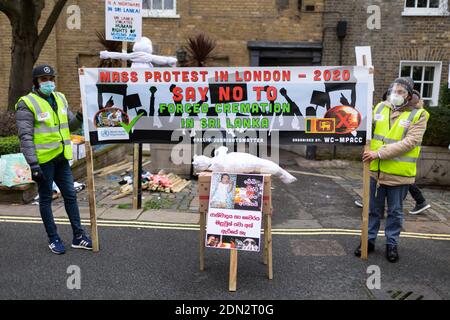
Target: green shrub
(9,145)
(444,96)
(438,128)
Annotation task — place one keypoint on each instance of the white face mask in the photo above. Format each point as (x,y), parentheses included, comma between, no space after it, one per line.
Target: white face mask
(396,99)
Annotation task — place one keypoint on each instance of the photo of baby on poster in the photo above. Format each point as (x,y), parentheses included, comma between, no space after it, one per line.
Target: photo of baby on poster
(235,211)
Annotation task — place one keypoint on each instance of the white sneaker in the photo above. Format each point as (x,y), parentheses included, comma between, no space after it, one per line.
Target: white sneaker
(419,208)
(358,203)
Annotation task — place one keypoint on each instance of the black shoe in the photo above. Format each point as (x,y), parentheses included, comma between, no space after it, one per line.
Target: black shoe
(370,248)
(419,208)
(391,253)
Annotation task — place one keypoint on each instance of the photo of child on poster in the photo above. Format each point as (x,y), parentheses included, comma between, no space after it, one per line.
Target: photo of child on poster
(248,193)
(222,187)
(230,242)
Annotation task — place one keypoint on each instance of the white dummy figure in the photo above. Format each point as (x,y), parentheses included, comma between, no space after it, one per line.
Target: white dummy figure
(239,162)
(142,55)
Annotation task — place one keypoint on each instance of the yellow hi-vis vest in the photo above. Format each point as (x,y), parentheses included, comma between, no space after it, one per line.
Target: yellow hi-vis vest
(383,134)
(51,129)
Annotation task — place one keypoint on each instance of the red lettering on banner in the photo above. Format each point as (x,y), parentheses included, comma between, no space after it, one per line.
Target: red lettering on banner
(203,93)
(175,75)
(272,93)
(258,92)
(194,76)
(224,93)
(190,94)
(134,76)
(238,93)
(177,94)
(166,76)
(148,76)
(204,75)
(185,76)
(157,76)
(105,76)
(115,77)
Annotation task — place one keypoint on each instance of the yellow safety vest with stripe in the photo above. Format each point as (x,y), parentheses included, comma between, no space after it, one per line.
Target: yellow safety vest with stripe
(51,129)
(383,134)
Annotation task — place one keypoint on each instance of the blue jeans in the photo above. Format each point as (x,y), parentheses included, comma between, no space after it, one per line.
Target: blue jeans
(394,222)
(58,170)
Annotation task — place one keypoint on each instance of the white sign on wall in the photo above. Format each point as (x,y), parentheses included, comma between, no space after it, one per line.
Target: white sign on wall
(123,20)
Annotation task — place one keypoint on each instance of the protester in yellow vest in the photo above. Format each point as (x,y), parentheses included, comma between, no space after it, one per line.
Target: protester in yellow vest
(399,125)
(44,122)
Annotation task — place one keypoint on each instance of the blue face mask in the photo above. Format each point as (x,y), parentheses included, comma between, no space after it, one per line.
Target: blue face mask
(47,87)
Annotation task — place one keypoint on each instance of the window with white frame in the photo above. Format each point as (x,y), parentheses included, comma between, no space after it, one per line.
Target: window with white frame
(425,8)
(427,78)
(159,9)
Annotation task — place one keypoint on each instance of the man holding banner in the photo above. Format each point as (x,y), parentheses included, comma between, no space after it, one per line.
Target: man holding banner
(399,125)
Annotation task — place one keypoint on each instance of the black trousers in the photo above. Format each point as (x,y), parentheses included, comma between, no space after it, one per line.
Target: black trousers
(416,194)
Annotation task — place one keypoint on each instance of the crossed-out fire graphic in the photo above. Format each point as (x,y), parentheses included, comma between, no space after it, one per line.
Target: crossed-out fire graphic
(339,120)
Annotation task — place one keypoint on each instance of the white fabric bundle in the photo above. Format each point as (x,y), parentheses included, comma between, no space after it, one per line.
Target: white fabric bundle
(238,162)
(141,56)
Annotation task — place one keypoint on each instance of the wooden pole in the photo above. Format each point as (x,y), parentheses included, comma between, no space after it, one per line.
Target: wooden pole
(365,213)
(136,176)
(124,50)
(91,196)
(366,188)
(139,195)
(269,247)
(233,270)
(266,239)
(137,157)
(202,240)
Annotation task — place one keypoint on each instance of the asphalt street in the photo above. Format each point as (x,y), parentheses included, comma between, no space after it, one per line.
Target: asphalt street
(137,263)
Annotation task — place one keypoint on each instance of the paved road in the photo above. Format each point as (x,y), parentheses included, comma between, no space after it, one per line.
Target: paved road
(163,264)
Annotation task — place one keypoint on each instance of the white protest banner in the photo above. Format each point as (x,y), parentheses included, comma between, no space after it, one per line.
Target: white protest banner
(123,20)
(235,211)
(304,105)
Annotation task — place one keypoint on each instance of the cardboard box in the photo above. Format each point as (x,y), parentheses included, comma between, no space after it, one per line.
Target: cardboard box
(78,151)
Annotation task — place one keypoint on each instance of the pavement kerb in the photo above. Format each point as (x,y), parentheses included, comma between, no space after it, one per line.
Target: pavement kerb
(195,227)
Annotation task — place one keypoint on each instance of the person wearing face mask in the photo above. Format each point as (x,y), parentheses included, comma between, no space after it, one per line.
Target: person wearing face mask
(399,125)
(44,123)
(416,194)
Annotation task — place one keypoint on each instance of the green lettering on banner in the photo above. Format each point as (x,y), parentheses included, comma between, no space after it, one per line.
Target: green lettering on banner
(187,123)
(245,107)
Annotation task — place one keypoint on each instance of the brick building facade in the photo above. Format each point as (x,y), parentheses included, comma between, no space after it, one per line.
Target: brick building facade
(263,32)
(255,31)
(412,40)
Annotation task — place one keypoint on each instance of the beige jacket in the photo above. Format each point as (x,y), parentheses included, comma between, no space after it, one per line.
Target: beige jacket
(413,138)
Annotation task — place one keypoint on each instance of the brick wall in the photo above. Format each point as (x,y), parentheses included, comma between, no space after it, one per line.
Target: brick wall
(400,38)
(231,23)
